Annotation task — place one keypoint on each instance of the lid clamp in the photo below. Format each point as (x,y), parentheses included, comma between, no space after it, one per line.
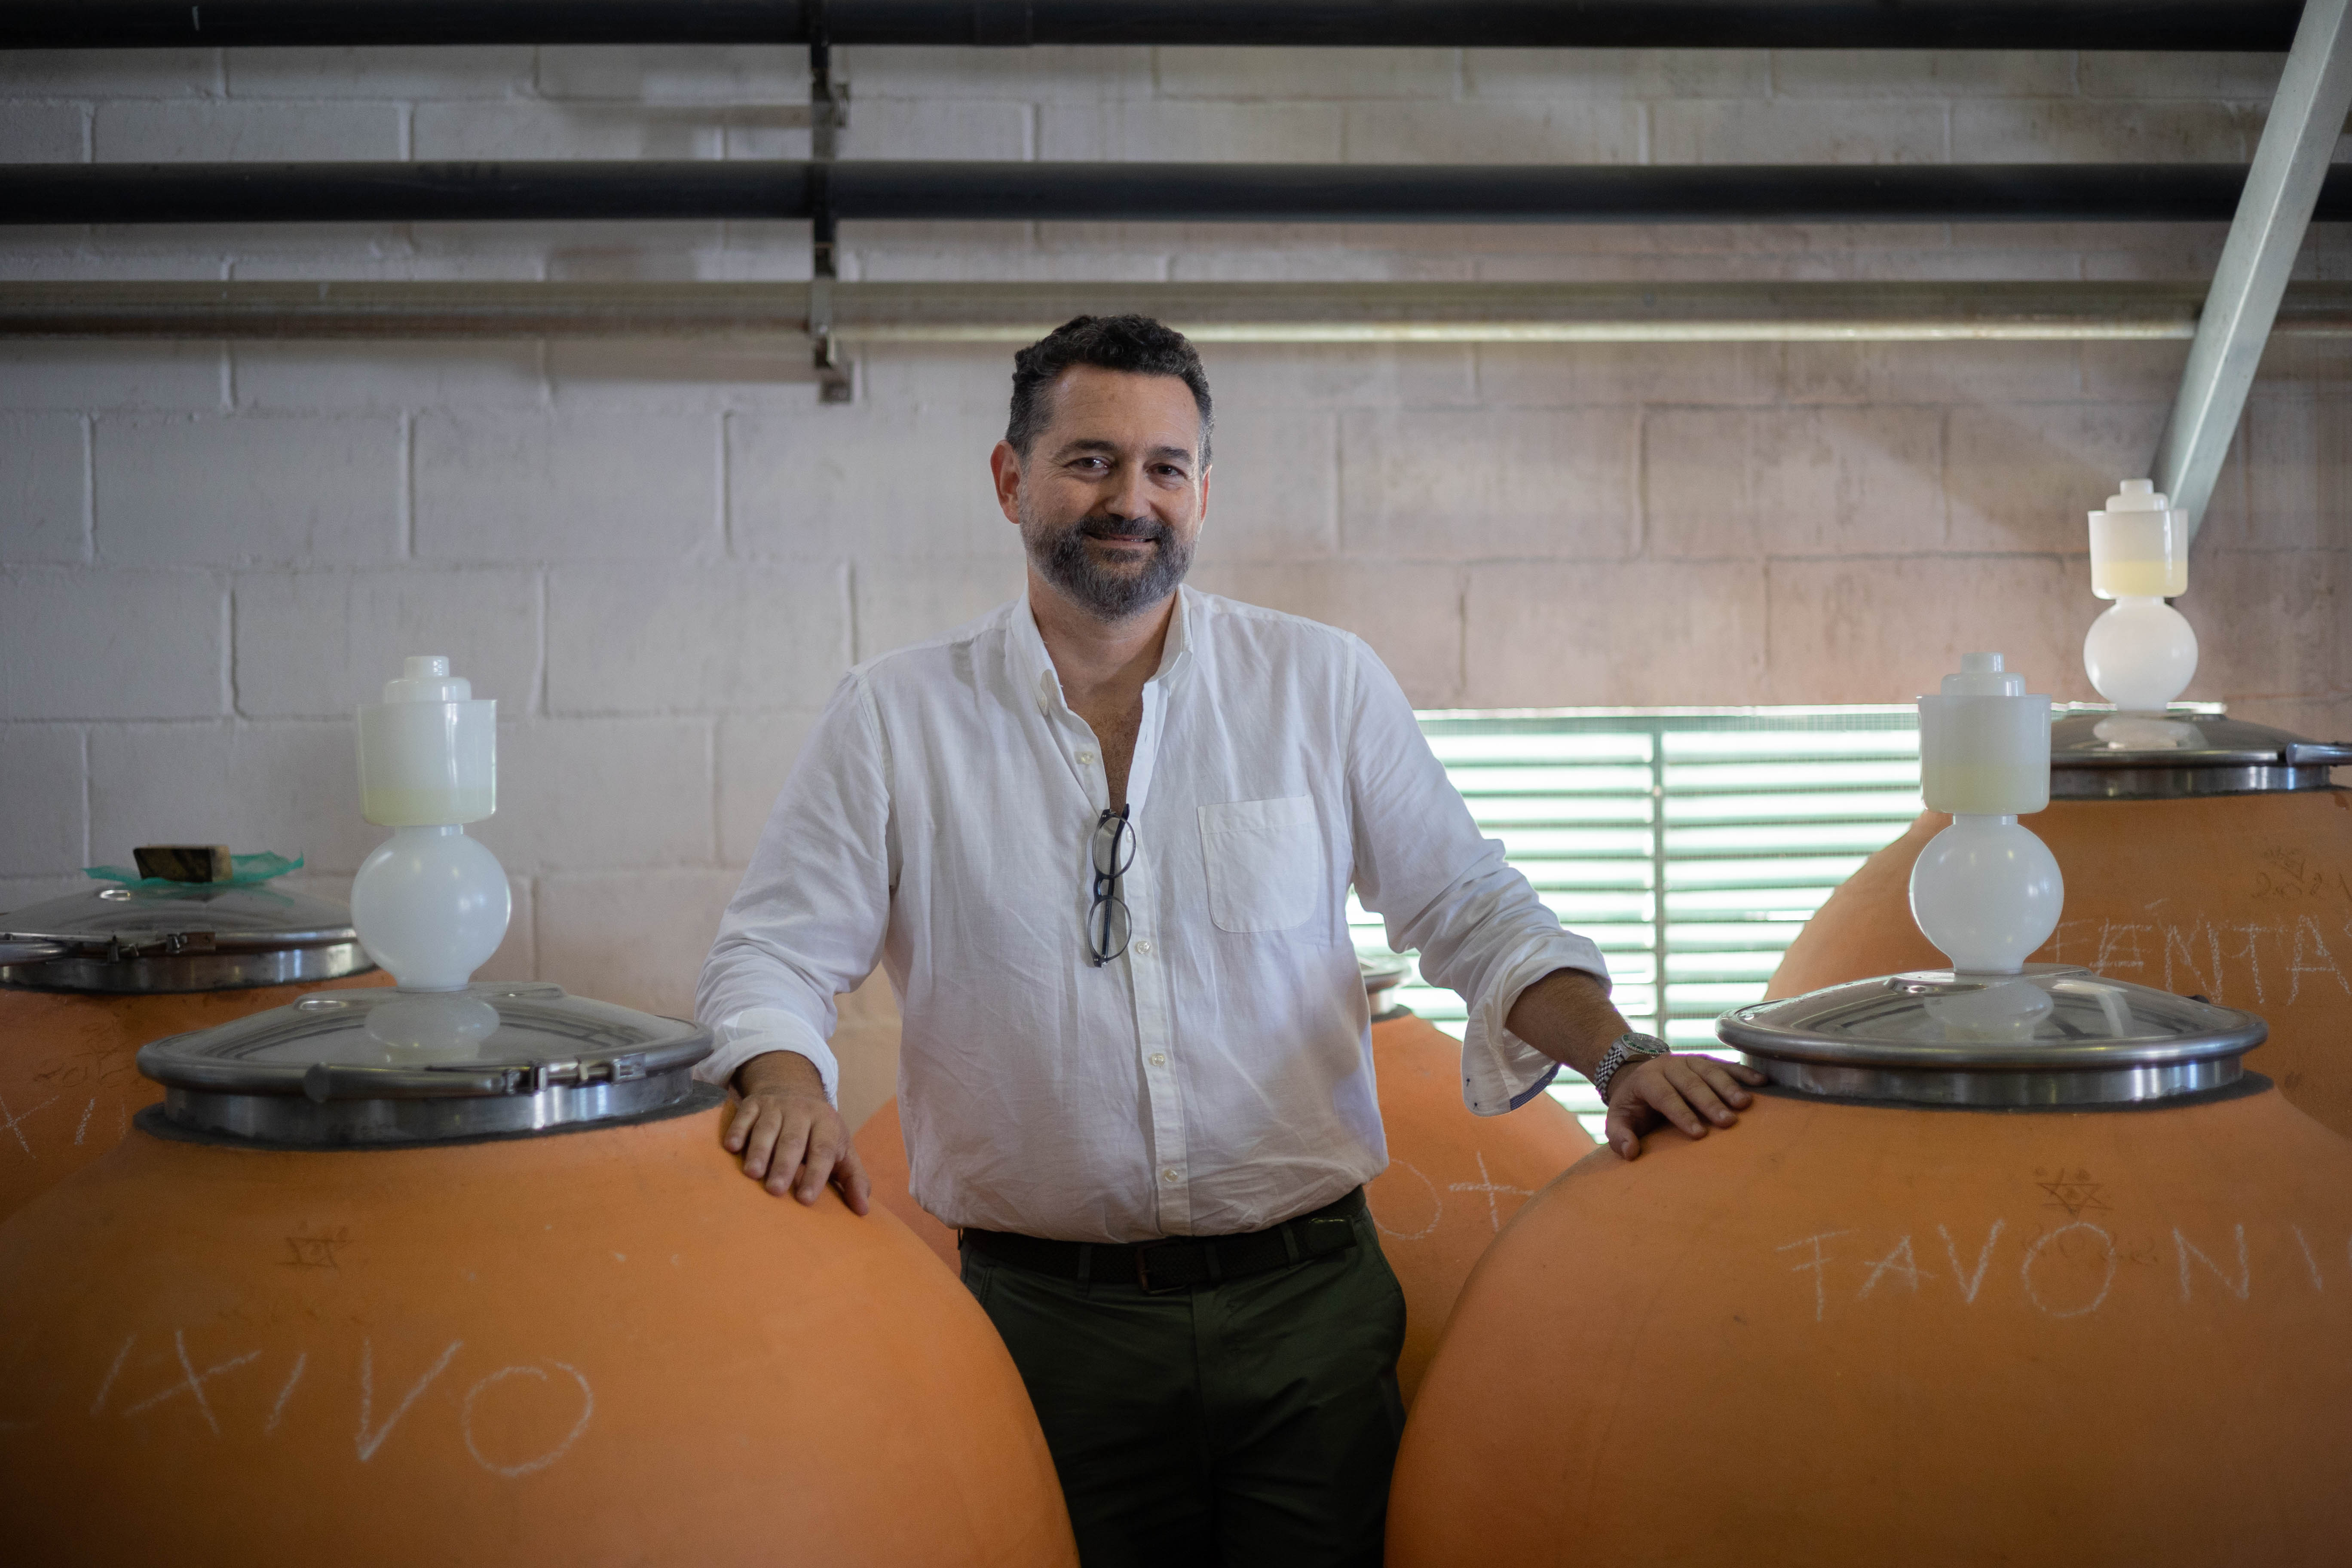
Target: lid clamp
(535,1078)
(326,1081)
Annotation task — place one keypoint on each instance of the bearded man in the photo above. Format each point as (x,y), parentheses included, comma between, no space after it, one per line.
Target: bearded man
(1102,841)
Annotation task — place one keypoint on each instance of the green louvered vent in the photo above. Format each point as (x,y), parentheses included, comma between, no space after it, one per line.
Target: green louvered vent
(1691,844)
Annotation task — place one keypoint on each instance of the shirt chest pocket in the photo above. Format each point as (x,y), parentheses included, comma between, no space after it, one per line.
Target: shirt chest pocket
(1264,862)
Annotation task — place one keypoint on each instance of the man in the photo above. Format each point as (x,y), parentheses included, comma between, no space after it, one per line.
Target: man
(1102,840)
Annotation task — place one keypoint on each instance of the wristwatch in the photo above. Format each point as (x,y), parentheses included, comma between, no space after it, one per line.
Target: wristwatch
(1626,1048)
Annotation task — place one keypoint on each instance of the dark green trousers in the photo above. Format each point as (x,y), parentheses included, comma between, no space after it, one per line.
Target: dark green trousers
(1247,1423)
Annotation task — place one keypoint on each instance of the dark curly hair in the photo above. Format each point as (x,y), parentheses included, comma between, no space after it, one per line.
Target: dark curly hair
(1136,345)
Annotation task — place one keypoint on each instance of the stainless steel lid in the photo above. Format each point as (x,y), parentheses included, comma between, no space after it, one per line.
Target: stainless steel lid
(188,937)
(382,1067)
(2096,756)
(1383,972)
(2057,1036)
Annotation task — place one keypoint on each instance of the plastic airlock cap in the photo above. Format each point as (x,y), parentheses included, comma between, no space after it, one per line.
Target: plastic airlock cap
(2142,653)
(430,905)
(2140,545)
(428,751)
(1985,890)
(1984,744)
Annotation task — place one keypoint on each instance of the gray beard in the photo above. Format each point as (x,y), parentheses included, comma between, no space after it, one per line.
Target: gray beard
(1065,562)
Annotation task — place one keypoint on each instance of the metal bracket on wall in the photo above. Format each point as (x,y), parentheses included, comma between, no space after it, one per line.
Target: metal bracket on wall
(2314,93)
(828,118)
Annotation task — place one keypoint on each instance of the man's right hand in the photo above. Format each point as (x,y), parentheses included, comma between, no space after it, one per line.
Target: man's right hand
(790,1134)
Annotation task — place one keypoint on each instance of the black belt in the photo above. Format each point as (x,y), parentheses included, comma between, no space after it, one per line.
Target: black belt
(1180,1262)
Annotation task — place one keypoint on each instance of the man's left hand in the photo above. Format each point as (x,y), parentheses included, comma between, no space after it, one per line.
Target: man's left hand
(1691,1092)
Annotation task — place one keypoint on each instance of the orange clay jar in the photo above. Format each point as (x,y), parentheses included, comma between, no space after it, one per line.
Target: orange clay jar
(385,1323)
(68,1088)
(2243,898)
(2061,1325)
(1453,1179)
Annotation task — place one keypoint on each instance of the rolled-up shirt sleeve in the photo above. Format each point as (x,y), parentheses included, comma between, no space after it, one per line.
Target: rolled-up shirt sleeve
(809,920)
(1444,888)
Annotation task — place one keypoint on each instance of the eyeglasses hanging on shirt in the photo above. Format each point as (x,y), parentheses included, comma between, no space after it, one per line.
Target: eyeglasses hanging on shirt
(1106,920)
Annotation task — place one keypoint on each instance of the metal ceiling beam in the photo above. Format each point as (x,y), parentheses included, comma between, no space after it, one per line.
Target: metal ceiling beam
(1489,24)
(1213,312)
(1132,193)
(2282,188)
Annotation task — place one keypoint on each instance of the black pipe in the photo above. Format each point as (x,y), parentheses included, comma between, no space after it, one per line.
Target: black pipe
(2262,24)
(1187,193)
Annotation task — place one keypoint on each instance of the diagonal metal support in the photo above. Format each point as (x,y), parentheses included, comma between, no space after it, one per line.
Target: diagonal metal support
(2281,187)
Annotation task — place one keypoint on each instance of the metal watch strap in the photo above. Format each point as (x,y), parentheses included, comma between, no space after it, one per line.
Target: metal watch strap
(1625,1049)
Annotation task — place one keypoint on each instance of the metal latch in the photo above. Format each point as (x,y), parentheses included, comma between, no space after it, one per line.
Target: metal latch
(170,944)
(536,1076)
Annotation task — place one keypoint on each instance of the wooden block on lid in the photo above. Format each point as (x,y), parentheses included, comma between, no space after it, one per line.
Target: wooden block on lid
(183,862)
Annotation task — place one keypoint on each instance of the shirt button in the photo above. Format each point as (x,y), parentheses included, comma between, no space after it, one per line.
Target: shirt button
(1169,1177)
(1086,759)
(1159,1058)
(1144,946)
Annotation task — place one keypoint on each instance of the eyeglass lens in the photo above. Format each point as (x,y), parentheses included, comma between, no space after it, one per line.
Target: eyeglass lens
(1107,927)
(1114,847)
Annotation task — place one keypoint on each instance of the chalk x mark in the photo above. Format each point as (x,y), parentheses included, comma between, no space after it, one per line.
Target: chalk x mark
(366,1444)
(12,1122)
(192,1381)
(1488,1185)
(465,1415)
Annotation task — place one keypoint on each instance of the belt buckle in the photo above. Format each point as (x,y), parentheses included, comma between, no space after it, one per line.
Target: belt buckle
(1143,1270)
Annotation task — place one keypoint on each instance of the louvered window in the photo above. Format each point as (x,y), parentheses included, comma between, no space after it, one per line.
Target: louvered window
(1690,843)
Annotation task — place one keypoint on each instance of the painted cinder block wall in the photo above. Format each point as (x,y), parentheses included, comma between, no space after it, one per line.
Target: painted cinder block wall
(659,557)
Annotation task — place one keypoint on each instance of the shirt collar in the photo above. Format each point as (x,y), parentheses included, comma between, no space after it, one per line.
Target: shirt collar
(1037,665)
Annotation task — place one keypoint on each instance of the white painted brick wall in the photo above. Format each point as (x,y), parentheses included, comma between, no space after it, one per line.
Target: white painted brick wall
(111,644)
(492,486)
(41,773)
(660,557)
(733,639)
(211,131)
(312,644)
(43,132)
(202,490)
(44,460)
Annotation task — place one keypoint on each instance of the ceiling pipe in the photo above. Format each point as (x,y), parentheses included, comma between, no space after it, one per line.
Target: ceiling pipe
(1334,312)
(2258,25)
(1132,193)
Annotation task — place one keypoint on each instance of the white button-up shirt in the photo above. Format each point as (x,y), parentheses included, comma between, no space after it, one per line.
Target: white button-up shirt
(1217,1076)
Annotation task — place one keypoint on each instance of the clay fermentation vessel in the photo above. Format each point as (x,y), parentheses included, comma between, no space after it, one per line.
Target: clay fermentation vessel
(68,1088)
(1848,1332)
(86,979)
(2244,899)
(1453,1179)
(593,1347)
